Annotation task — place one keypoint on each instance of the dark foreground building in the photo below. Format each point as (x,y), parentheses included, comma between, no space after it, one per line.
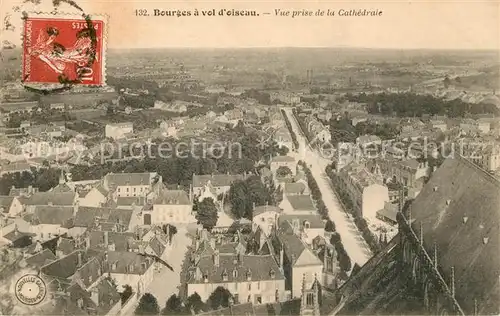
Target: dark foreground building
(445,259)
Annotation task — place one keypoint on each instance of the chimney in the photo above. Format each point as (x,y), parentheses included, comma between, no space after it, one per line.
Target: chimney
(197,244)
(216,259)
(87,242)
(30,189)
(240,259)
(212,243)
(282,254)
(80,260)
(106,239)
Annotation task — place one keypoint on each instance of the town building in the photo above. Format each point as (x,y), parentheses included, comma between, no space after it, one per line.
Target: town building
(297,204)
(283,161)
(221,183)
(251,278)
(48,222)
(10,206)
(296,258)
(170,207)
(130,184)
(471,126)
(118,130)
(366,191)
(264,216)
(307,226)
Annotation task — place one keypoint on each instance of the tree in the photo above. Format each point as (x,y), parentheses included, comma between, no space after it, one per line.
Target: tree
(329,226)
(207,214)
(148,305)
(195,303)
(283,171)
(244,194)
(173,306)
(126,294)
(220,297)
(335,239)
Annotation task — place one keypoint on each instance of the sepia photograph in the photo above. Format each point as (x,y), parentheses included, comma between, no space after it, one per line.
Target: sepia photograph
(251,158)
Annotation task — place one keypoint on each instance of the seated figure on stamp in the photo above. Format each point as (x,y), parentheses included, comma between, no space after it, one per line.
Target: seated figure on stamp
(59,58)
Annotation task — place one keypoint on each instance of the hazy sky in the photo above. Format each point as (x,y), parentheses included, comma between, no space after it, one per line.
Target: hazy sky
(437,24)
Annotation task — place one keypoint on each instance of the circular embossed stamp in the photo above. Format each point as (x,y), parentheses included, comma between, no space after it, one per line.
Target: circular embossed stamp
(30,289)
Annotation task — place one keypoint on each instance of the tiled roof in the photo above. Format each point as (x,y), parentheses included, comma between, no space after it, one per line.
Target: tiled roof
(45,198)
(66,266)
(22,191)
(6,202)
(301,202)
(88,216)
(129,179)
(18,105)
(128,262)
(260,268)
(41,258)
(294,188)
(52,215)
(129,200)
(266,208)
(217,180)
(16,235)
(119,240)
(293,246)
(169,197)
(459,210)
(314,220)
(60,188)
(65,245)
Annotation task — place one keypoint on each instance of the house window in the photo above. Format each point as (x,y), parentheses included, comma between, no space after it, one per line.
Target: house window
(236,298)
(224,276)
(249,298)
(119,190)
(127,190)
(258,285)
(235,273)
(249,286)
(307,225)
(263,219)
(258,299)
(135,189)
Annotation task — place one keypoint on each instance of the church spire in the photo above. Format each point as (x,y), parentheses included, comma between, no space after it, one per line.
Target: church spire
(316,295)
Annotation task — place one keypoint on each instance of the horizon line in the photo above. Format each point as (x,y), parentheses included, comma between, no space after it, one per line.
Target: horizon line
(307,47)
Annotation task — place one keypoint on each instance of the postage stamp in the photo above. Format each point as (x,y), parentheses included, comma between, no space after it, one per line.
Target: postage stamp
(64,49)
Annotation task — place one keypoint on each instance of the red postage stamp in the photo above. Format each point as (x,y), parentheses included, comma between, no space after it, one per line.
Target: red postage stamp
(64,50)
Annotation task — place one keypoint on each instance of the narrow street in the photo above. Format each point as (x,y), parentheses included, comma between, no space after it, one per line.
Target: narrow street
(167,282)
(354,244)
